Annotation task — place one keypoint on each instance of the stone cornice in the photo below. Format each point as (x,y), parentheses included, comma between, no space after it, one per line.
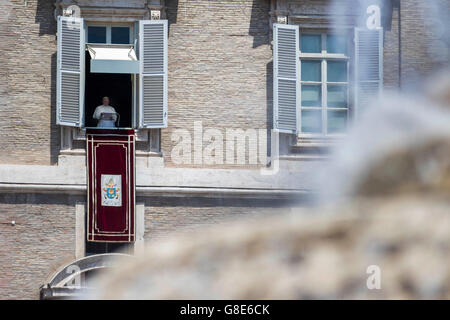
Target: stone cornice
(293,177)
(163,191)
(96,12)
(323,21)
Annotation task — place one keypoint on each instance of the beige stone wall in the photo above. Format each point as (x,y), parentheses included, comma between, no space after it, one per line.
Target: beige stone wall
(219,66)
(167,216)
(219,57)
(28,133)
(43,238)
(41,241)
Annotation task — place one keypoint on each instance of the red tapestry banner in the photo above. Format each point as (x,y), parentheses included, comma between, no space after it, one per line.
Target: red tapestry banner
(111,185)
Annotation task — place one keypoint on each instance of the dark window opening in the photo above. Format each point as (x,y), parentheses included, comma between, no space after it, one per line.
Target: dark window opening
(96,34)
(118,87)
(108,247)
(120,35)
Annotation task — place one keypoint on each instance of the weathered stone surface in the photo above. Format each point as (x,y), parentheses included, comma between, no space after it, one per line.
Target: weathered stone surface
(291,256)
(28,131)
(400,146)
(40,241)
(220,70)
(424,39)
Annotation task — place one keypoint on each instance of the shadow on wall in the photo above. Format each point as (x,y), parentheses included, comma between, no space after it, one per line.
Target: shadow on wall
(55,132)
(41,199)
(269,104)
(47,26)
(259,22)
(197,202)
(172,11)
(45,17)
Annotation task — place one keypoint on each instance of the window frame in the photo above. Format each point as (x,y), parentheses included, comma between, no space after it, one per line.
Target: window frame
(324,57)
(108,27)
(133,40)
(71,134)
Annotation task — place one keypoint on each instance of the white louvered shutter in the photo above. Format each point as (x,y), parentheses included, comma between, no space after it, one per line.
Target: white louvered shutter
(70,72)
(286,76)
(153,73)
(368,66)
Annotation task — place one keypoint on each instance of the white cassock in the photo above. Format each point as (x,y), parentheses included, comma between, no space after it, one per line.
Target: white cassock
(103,123)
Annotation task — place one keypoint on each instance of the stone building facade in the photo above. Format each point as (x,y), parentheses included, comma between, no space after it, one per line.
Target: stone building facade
(220,77)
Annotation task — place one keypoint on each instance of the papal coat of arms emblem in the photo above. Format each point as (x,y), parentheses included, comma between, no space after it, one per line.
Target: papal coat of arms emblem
(111,190)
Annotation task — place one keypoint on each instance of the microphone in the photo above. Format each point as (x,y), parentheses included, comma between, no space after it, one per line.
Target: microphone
(110,116)
(118,119)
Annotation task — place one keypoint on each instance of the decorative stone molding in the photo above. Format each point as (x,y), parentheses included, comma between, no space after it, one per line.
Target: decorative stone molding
(277,16)
(155,14)
(73,152)
(310,14)
(124,11)
(322,21)
(80,134)
(282,19)
(157,9)
(157,5)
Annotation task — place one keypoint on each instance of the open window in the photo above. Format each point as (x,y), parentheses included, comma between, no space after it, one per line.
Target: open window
(117,86)
(324,79)
(312,78)
(127,63)
(111,66)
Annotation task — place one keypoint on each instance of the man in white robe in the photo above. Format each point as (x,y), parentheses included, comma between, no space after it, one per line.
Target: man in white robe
(105,114)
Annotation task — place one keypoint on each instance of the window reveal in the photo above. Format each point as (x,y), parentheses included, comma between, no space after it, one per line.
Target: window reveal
(311,78)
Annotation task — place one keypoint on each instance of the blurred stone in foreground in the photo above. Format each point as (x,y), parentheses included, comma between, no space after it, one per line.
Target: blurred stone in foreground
(418,160)
(395,176)
(293,257)
(400,145)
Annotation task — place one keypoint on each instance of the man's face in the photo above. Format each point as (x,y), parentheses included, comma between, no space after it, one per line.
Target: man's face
(106,101)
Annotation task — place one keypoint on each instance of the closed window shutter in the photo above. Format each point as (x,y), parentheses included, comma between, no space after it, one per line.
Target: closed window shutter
(368,66)
(70,72)
(153,73)
(286,86)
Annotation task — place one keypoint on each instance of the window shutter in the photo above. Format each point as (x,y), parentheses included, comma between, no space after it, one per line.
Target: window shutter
(136,94)
(70,72)
(286,76)
(153,73)
(368,66)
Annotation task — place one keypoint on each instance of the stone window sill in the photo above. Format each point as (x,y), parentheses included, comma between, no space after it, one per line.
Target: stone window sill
(314,147)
